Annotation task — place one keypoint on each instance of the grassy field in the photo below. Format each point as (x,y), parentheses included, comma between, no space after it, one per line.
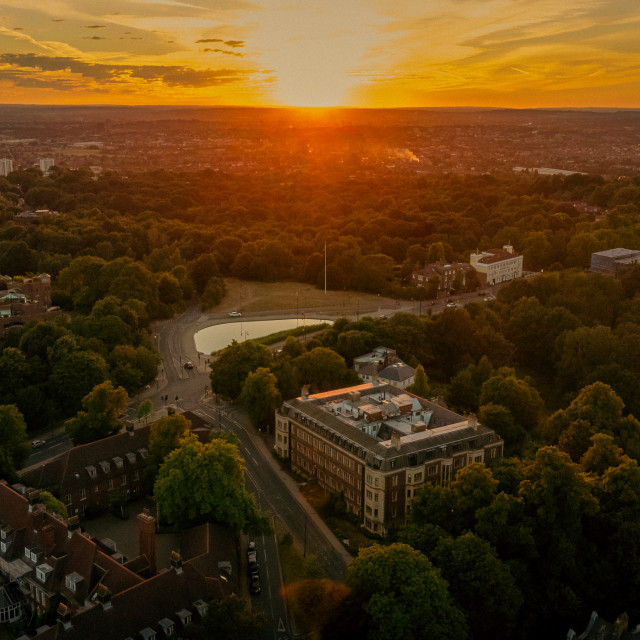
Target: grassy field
(289,297)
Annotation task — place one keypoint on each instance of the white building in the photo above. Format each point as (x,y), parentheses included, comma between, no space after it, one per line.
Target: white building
(46,164)
(497,265)
(6,166)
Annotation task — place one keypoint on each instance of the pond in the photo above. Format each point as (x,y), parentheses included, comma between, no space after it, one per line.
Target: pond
(221,335)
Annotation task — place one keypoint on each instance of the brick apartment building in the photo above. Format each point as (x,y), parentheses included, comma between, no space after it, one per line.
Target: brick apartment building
(84,476)
(377,445)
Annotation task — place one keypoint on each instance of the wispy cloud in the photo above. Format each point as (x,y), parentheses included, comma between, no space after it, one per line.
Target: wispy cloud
(20,67)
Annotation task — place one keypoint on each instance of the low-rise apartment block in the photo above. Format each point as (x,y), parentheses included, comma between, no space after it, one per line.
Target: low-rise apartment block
(377,445)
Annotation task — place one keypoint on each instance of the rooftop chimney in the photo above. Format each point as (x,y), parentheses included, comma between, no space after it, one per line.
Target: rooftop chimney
(104,596)
(73,524)
(472,421)
(621,624)
(395,440)
(305,392)
(147,538)
(64,616)
(48,538)
(176,562)
(33,496)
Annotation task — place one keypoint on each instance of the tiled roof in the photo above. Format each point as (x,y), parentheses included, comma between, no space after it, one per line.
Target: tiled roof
(69,472)
(398,372)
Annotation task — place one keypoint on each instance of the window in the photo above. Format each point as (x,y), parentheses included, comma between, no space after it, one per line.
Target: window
(67,498)
(408,493)
(394,481)
(124,480)
(418,477)
(394,496)
(375,497)
(83,494)
(110,483)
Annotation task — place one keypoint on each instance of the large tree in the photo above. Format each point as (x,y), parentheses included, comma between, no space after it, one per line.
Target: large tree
(164,437)
(200,482)
(481,584)
(260,397)
(403,595)
(14,447)
(234,363)
(101,415)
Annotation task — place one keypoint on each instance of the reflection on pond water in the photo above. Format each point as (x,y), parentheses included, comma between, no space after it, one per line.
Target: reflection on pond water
(220,335)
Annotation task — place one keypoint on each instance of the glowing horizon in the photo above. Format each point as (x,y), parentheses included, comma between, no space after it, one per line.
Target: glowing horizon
(321,53)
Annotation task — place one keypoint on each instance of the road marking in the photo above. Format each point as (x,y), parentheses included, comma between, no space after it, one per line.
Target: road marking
(281,628)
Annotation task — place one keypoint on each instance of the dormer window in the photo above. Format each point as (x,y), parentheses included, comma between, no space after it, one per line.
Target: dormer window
(72,581)
(143,453)
(105,466)
(167,626)
(3,546)
(148,633)
(43,571)
(131,457)
(92,471)
(185,617)
(201,607)
(119,462)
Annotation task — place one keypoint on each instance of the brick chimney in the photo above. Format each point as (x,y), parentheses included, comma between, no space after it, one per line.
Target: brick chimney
(33,496)
(73,524)
(64,616)
(176,562)
(104,596)
(48,538)
(147,539)
(395,440)
(621,624)
(305,392)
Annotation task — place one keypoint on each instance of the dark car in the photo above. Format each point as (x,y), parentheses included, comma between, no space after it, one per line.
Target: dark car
(254,585)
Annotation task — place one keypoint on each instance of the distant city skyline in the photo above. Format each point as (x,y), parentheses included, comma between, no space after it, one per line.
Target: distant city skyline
(361,53)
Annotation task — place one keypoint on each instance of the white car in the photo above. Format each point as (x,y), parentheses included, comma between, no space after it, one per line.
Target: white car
(37,443)
(235,314)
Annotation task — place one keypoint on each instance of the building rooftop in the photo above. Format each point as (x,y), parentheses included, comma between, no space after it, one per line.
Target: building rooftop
(379,422)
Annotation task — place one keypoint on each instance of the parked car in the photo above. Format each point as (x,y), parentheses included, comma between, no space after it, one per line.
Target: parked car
(37,443)
(188,365)
(234,314)
(252,559)
(254,584)
(452,305)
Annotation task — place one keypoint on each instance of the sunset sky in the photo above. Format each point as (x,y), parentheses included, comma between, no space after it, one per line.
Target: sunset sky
(367,53)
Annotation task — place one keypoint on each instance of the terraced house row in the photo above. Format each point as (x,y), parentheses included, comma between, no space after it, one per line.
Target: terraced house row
(377,445)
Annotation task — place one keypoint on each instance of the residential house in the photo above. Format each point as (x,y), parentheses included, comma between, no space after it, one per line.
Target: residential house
(449,276)
(383,364)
